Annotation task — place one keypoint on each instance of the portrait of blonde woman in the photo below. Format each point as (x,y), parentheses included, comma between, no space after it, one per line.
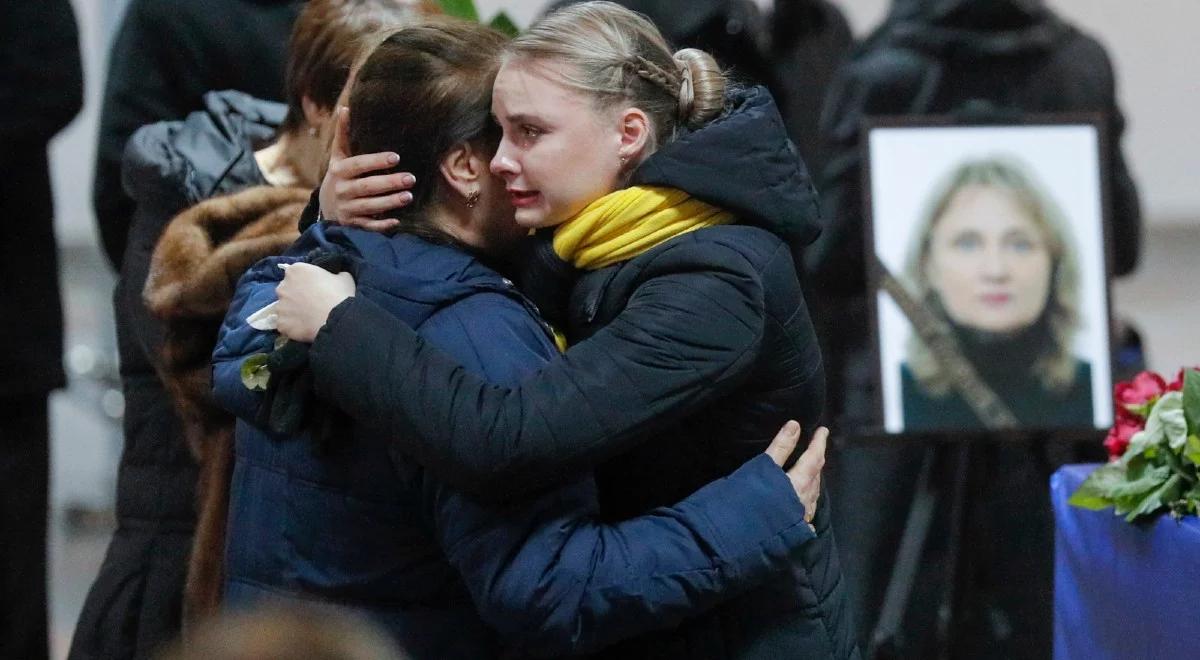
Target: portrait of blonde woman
(993,258)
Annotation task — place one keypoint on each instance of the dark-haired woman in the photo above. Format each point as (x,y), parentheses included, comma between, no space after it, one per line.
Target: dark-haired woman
(352,522)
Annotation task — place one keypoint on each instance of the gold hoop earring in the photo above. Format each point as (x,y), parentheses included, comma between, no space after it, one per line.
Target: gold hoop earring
(472,199)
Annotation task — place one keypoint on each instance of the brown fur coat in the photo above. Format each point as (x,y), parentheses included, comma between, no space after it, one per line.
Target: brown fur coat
(195,267)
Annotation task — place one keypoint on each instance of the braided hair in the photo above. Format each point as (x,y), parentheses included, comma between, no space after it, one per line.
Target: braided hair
(618,56)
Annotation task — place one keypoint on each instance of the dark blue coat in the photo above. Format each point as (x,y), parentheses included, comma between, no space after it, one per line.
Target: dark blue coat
(686,361)
(366,527)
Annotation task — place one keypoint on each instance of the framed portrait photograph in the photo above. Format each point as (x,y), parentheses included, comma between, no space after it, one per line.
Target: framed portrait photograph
(987,251)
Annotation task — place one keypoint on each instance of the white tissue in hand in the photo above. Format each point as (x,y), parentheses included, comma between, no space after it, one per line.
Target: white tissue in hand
(265,318)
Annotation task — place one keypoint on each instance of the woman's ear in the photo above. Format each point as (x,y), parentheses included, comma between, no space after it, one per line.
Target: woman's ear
(636,135)
(463,167)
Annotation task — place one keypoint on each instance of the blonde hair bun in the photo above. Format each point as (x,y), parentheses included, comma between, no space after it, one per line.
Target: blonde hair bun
(701,88)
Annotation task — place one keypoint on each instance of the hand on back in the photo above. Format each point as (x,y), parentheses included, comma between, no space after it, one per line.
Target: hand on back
(805,475)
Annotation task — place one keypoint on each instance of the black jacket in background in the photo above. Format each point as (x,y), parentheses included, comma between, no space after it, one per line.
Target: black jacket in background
(135,602)
(731,30)
(930,57)
(165,56)
(687,360)
(809,42)
(41,89)
(932,62)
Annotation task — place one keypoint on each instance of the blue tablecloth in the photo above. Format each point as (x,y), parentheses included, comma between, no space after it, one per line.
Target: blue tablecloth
(1122,591)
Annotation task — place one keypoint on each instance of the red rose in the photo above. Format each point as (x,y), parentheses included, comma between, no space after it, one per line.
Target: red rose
(1137,393)
(1118,437)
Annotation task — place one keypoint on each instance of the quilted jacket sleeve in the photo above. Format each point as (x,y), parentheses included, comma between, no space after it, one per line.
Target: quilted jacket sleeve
(237,340)
(550,577)
(687,335)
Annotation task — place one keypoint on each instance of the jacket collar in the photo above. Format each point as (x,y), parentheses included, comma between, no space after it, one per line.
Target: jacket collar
(201,155)
(742,162)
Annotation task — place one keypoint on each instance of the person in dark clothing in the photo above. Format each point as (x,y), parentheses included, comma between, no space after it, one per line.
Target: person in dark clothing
(237,142)
(361,526)
(136,601)
(167,54)
(809,41)
(979,60)
(41,90)
(693,340)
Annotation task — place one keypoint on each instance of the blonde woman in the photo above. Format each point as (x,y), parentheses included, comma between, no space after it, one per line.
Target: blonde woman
(993,258)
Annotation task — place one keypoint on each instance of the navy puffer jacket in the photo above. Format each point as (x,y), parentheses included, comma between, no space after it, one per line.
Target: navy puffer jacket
(360,525)
(685,361)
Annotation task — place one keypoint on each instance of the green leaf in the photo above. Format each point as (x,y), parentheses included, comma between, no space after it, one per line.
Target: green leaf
(1086,499)
(1095,492)
(1165,425)
(1140,480)
(464,9)
(1159,498)
(1141,443)
(1192,451)
(1192,496)
(1170,415)
(1191,399)
(255,373)
(504,24)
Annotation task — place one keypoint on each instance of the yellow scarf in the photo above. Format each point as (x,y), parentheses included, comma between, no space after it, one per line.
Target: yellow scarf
(628,222)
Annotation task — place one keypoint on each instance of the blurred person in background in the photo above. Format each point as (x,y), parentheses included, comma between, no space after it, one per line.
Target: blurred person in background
(980,60)
(139,599)
(277,633)
(41,90)
(166,55)
(984,61)
(809,41)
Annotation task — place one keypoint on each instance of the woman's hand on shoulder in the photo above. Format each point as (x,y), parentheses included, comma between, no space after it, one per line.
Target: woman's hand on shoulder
(306,296)
(805,475)
(351,195)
